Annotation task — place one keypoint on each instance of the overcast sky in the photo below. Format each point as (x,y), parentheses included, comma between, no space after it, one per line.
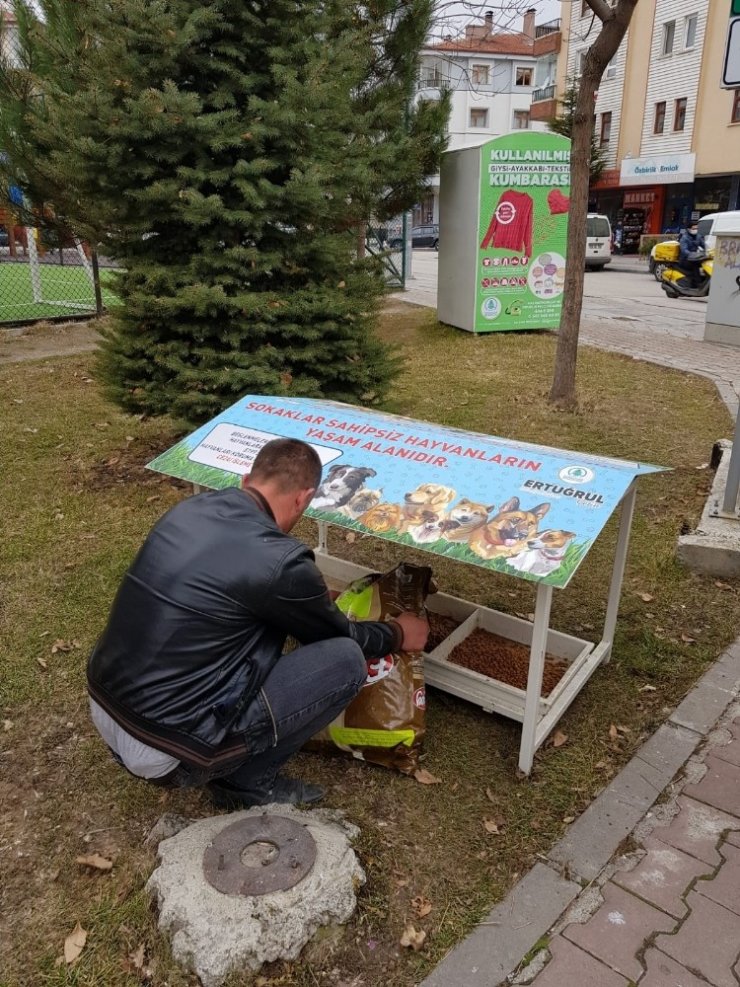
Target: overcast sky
(452,17)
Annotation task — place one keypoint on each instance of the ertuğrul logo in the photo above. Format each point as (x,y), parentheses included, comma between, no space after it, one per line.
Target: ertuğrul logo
(576,474)
(505,213)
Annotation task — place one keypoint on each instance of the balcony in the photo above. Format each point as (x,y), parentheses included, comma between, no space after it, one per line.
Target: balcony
(544,104)
(551,27)
(539,94)
(547,39)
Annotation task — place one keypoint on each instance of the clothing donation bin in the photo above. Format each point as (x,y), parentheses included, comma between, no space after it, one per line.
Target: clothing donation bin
(503,224)
(526,511)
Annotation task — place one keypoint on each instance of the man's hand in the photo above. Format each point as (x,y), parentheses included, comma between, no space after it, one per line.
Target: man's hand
(415,631)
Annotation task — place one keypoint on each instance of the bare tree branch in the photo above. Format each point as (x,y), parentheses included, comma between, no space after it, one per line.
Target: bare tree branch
(603,10)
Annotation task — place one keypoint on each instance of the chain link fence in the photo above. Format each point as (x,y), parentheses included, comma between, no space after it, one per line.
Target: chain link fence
(47,276)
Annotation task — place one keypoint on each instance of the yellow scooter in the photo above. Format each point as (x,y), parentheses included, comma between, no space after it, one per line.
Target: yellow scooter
(676,280)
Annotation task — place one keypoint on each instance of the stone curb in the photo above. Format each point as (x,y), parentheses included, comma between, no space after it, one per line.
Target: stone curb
(494,950)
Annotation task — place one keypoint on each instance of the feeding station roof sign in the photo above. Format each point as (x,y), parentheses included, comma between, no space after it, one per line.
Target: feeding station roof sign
(526,511)
(471,497)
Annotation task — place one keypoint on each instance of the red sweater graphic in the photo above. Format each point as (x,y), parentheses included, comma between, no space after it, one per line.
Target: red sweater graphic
(511,224)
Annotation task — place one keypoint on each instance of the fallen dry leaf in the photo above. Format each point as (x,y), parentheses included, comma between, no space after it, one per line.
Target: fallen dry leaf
(648,688)
(413,938)
(350,537)
(401,882)
(559,739)
(7,725)
(74,944)
(95,861)
(490,796)
(426,777)
(421,905)
(688,640)
(613,732)
(42,663)
(568,819)
(491,826)
(646,597)
(60,645)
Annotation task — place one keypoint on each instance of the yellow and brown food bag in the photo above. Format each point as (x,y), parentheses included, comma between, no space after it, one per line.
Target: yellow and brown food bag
(385,723)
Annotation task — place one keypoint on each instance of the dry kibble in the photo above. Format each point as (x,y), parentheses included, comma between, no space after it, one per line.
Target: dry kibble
(494,656)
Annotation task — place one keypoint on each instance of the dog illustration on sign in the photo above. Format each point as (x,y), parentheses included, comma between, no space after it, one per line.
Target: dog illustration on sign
(426,503)
(507,533)
(464,518)
(361,502)
(544,553)
(340,485)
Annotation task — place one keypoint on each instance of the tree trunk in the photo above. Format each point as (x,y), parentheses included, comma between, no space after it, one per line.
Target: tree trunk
(601,52)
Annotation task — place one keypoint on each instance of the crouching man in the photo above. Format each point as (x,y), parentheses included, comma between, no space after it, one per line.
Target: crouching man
(188,684)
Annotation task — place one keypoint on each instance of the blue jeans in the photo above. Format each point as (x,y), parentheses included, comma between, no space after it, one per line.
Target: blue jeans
(304,692)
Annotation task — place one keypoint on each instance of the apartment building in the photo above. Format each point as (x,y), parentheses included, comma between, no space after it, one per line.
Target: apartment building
(491,75)
(670,134)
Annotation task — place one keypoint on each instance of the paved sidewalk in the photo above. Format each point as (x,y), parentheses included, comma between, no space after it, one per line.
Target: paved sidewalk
(663,913)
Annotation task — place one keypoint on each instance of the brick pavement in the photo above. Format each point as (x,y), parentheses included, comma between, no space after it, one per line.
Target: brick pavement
(668,913)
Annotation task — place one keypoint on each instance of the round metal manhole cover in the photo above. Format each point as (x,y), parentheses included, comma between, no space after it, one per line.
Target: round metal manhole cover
(258,855)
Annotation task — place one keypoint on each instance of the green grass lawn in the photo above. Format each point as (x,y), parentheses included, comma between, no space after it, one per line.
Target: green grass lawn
(66,291)
(77,504)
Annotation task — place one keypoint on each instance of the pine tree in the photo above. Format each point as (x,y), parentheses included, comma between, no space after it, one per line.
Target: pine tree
(563,124)
(229,150)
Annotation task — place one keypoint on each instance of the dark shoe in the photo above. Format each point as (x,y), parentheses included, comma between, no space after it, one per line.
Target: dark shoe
(284,790)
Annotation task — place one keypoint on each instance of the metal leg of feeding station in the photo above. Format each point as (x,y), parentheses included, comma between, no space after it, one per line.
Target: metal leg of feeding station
(323,544)
(535,728)
(620,560)
(534,680)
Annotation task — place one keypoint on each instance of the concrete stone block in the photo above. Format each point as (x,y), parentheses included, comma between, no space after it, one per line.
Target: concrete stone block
(668,749)
(720,786)
(497,946)
(697,829)
(723,887)
(662,971)
(707,942)
(617,932)
(214,933)
(593,838)
(570,965)
(701,709)
(714,547)
(663,877)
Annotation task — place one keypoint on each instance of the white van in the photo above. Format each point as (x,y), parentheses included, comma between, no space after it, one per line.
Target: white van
(598,241)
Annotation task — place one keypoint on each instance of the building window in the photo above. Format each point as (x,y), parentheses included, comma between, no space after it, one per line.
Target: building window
(611,69)
(669,36)
(523,76)
(689,38)
(679,114)
(736,107)
(606,129)
(659,122)
(479,118)
(580,62)
(521,119)
(479,75)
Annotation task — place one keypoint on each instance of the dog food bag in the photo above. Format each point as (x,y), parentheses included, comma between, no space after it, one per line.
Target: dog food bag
(385,723)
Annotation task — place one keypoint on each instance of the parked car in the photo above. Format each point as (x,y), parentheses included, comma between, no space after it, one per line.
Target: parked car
(421,236)
(4,241)
(705,227)
(598,241)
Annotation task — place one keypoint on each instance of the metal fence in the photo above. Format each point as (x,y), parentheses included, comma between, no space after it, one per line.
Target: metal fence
(40,280)
(387,241)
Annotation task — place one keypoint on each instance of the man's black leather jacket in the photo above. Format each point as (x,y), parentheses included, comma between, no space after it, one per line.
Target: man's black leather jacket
(200,619)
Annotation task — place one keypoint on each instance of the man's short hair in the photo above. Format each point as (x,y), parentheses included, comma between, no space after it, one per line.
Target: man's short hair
(289,464)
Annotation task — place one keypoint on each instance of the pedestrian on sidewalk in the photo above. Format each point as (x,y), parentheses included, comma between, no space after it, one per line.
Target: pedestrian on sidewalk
(188,683)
